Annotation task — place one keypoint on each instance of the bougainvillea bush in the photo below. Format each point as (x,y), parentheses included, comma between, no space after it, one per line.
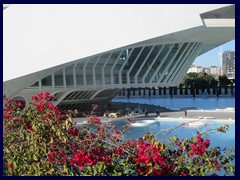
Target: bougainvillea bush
(41,140)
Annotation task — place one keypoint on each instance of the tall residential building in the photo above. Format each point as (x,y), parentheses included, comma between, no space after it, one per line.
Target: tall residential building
(228,64)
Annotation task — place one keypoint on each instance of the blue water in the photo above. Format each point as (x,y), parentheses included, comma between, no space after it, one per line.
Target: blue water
(141,127)
(210,103)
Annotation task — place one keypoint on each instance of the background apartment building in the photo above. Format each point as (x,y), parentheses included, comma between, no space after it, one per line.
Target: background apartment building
(195,69)
(228,64)
(212,70)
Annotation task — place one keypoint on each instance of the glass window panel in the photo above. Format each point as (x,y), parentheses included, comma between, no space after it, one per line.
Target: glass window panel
(69,75)
(158,61)
(125,54)
(58,78)
(191,47)
(130,61)
(107,69)
(148,62)
(176,61)
(98,68)
(139,62)
(79,73)
(47,81)
(36,84)
(89,70)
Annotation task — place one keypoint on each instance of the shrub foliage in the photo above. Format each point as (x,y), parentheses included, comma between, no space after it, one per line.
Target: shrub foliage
(41,140)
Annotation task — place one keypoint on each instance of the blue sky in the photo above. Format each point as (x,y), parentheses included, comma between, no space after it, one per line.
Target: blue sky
(211,57)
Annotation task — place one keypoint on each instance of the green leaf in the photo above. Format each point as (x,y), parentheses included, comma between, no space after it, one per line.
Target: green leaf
(119,173)
(95,171)
(156,144)
(14,165)
(35,157)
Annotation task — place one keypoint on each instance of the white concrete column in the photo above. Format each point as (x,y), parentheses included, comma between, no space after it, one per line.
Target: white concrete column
(74,75)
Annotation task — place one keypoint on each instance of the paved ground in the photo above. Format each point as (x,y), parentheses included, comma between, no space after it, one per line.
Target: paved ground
(218,115)
(169,115)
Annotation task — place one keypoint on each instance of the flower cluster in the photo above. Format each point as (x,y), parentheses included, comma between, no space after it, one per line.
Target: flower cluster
(42,140)
(199,147)
(82,158)
(41,101)
(151,161)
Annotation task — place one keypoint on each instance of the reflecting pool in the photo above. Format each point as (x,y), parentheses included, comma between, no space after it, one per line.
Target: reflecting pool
(161,128)
(207,103)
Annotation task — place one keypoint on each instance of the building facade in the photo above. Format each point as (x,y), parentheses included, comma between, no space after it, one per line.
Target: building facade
(195,69)
(228,64)
(156,62)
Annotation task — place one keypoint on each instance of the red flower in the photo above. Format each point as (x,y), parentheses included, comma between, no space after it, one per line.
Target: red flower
(73,131)
(182,174)
(60,152)
(29,127)
(51,156)
(51,106)
(119,151)
(94,106)
(80,165)
(199,147)
(96,119)
(73,147)
(78,158)
(207,143)
(40,95)
(126,128)
(34,98)
(199,138)
(6,116)
(10,165)
(47,93)
(130,121)
(40,107)
(64,159)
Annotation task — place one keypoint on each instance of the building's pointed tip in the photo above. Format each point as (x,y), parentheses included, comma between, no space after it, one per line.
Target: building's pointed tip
(5,6)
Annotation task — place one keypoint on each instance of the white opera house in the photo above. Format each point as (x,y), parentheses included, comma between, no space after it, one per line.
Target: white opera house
(86,54)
